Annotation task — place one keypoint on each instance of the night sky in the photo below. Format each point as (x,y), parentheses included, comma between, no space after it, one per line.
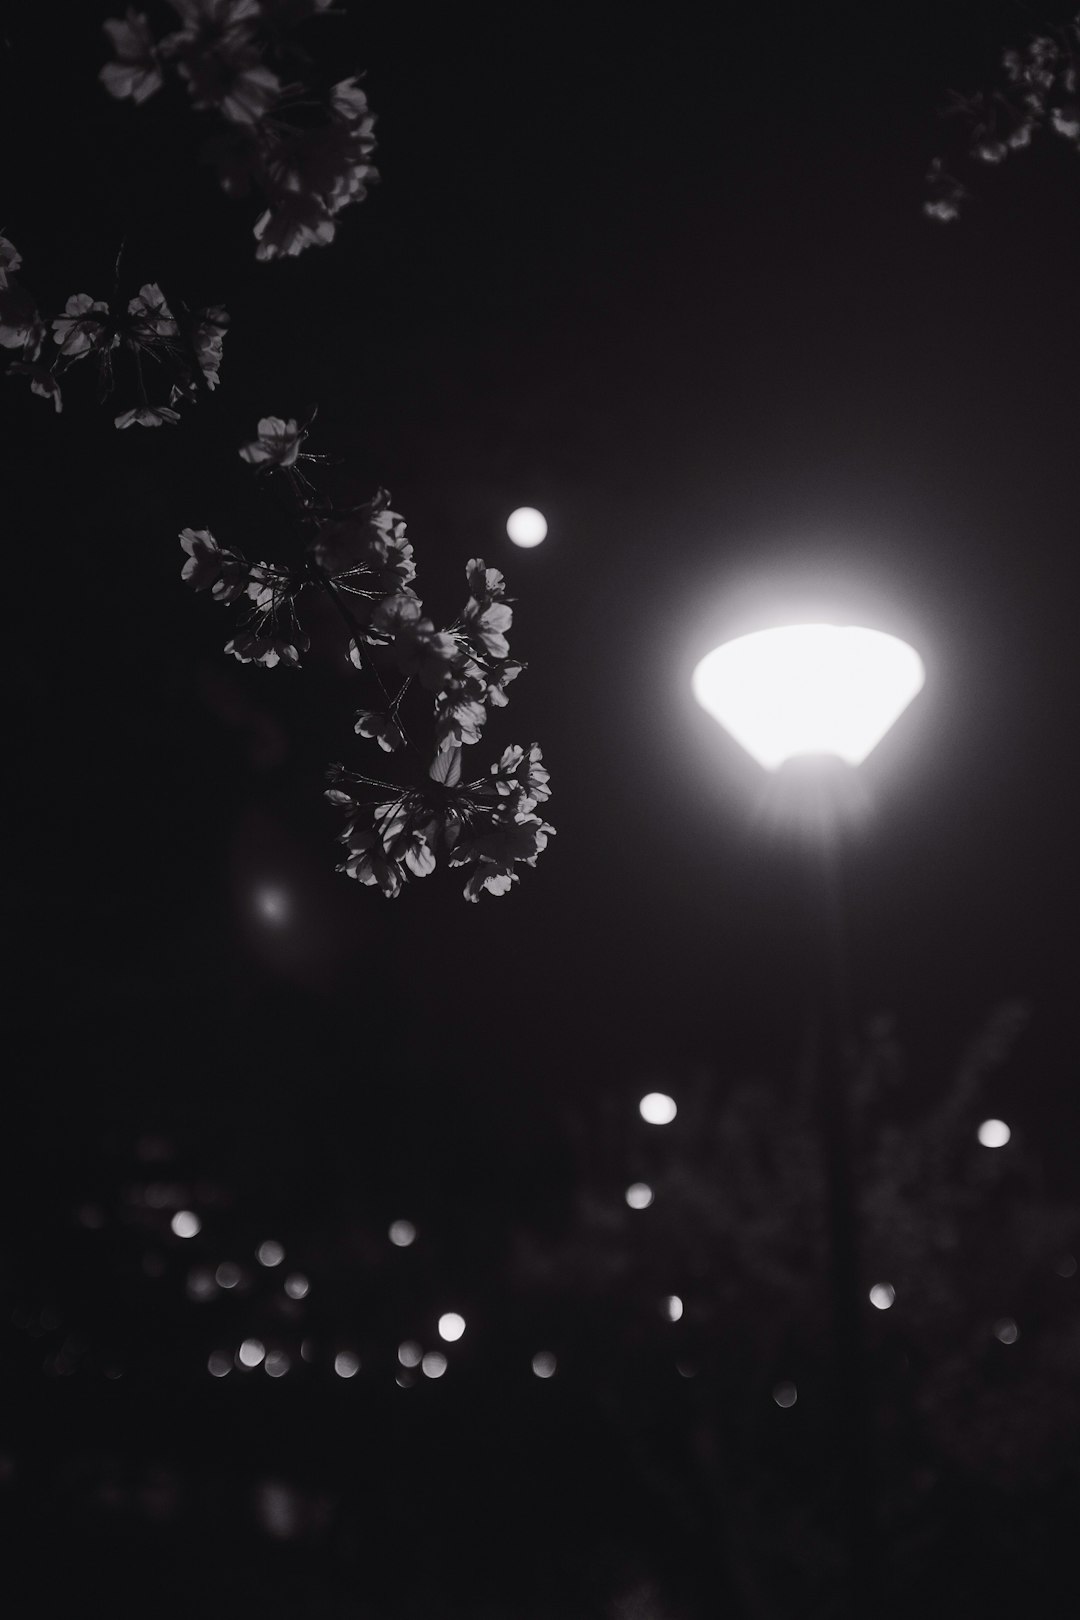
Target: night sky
(674,288)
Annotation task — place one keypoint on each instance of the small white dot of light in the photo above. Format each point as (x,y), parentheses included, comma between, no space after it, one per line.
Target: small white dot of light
(410,1354)
(186,1224)
(434,1364)
(277,1364)
(451,1326)
(270,1253)
(346,1365)
(673,1307)
(251,1352)
(639,1195)
(201,1284)
(402,1233)
(297,1285)
(994,1133)
(1066,1266)
(656,1109)
(219,1364)
(544,1364)
(273,904)
(526,526)
(307,1350)
(785,1394)
(882,1296)
(1006,1330)
(227,1274)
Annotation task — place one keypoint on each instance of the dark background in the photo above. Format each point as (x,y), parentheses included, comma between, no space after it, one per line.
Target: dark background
(671,284)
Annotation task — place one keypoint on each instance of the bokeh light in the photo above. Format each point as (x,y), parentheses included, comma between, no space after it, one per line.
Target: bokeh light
(272,904)
(251,1352)
(639,1195)
(219,1364)
(994,1133)
(451,1326)
(186,1224)
(526,526)
(277,1363)
(1006,1330)
(785,1394)
(673,1308)
(201,1284)
(657,1109)
(544,1364)
(402,1233)
(270,1253)
(882,1296)
(227,1274)
(410,1354)
(1066,1266)
(297,1285)
(434,1364)
(346,1364)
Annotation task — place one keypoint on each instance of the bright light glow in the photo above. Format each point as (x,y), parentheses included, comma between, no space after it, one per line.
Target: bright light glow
(882,1295)
(307,1350)
(270,1253)
(785,1395)
(402,1233)
(277,1363)
(297,1285)
(272,904)
(451,1327)
(994,1133)
(1006,1330)
(251,1352)
(673,1308)
(186,1224)
(434,1364)
(544,1364)
(346,1365)
(219,1364)
(227,1274)
(656,1109)
(809,689)
(526,526)
(410,1354)
(639,1196)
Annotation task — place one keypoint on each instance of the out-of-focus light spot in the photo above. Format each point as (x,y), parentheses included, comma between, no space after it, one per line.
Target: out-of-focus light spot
(278,1508)
(307,1350)
(410,1354)
(882,1296)
(639,1195)
(270,1253)
(272,904)
(227,1274)
(277,1363)
(201,1284)
(994,1133)
(297,1285)
(785,1394)
(186,1224)
(251,1352)
(402,1233)
(544,1364)
(451,1326)
(686,1369)
(405,1380)
(673,1308)
(656,1109)
(1066,1266)
(219,1364)
(434,1364)
(1006,1330)
(346,1365)
(526,526)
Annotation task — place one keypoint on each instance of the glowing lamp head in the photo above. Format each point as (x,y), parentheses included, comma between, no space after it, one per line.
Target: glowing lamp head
(809,689)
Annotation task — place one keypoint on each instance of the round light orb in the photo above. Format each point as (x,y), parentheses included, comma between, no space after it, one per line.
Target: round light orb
(882,1296)
(1006,1330)
(434,1364)
(994,1133)
(251,1352)
(186,1224)
(402,1233)
(451,1327)
(1066,1266)
(656,1109)
(410,1354)
(785,1394)
(639,1195)
(277,1364)
(346,1364)
(526,526)
(297,1285)
(227,1275)
(673,1308)
(219,1364)
(272,904)
(809,689)
(270,1253)
(544,1364)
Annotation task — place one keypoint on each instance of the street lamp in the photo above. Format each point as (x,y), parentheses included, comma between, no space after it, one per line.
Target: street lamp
(811,701)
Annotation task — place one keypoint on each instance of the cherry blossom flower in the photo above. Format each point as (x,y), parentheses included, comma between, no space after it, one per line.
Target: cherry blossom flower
(10,260)
(494,854)
(82,327)
(520,779)
(152,319)
(210,567)
(207,335)
(277,445)
(294,222)
(368,863)
(220,60)
(42,381)
(499,679)
(136,75)
(268,587)
(348,101)
(381,728)
(148,416)
(459,712)
(251,647)
(20,325)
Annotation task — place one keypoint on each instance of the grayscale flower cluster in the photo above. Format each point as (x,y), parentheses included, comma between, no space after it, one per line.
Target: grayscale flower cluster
(452,676)
(301,149)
